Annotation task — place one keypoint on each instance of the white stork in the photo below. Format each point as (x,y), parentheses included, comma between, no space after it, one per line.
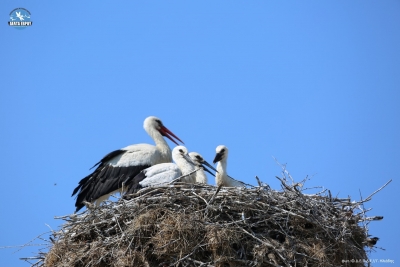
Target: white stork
(222,177)
(199,161)
(114,172)
(166,172)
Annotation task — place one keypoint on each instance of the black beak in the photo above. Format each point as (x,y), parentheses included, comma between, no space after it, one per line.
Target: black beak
(218,157)
(207,170)
(189,159)
(204,164)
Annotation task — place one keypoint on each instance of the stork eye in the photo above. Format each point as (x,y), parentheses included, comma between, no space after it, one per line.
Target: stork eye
(198,157)
(180,150)
(159,122)
(223,150)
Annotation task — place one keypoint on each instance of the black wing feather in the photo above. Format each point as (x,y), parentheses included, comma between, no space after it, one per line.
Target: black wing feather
(96,186)
(105,179)
(109,156)
(101,163)
(134,184)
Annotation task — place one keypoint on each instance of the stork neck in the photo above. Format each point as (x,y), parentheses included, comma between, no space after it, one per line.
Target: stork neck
(161,144)
(221,167)
(186,168)
(201,176)
(221,174)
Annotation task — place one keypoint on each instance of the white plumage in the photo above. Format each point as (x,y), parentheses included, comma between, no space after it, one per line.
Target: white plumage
(115,172)
(221,177)
(167,172)
(199,161)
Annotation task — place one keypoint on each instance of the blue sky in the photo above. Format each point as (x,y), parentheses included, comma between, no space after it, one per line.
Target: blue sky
(315,84)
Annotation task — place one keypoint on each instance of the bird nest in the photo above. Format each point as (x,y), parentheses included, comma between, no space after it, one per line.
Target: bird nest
(202,225)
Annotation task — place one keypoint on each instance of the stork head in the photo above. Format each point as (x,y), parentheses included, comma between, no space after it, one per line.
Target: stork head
(222,153)
(180,152)
(199,161)
(153,123)
(196,157)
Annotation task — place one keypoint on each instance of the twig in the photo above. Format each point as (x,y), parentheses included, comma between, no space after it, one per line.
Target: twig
(183,176)
(213,197)
(376,191)
(258,181)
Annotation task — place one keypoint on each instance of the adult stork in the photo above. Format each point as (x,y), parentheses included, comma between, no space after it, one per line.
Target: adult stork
(222,177)
(115,171)
(166,172)
(199,161)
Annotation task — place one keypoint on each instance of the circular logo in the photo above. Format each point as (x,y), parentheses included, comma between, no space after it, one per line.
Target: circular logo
(20,18)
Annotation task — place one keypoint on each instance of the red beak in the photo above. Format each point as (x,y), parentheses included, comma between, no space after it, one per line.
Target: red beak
(167,133)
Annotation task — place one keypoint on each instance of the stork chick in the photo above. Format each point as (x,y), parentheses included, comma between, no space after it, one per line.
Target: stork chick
(164,173)
(199,161)
(221,177)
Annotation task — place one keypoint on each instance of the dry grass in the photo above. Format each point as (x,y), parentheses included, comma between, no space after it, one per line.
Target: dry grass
(201,225)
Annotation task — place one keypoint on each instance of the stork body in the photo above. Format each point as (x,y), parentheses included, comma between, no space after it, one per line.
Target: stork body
(166,172)
(115,172)
(222,177)
(199,161)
